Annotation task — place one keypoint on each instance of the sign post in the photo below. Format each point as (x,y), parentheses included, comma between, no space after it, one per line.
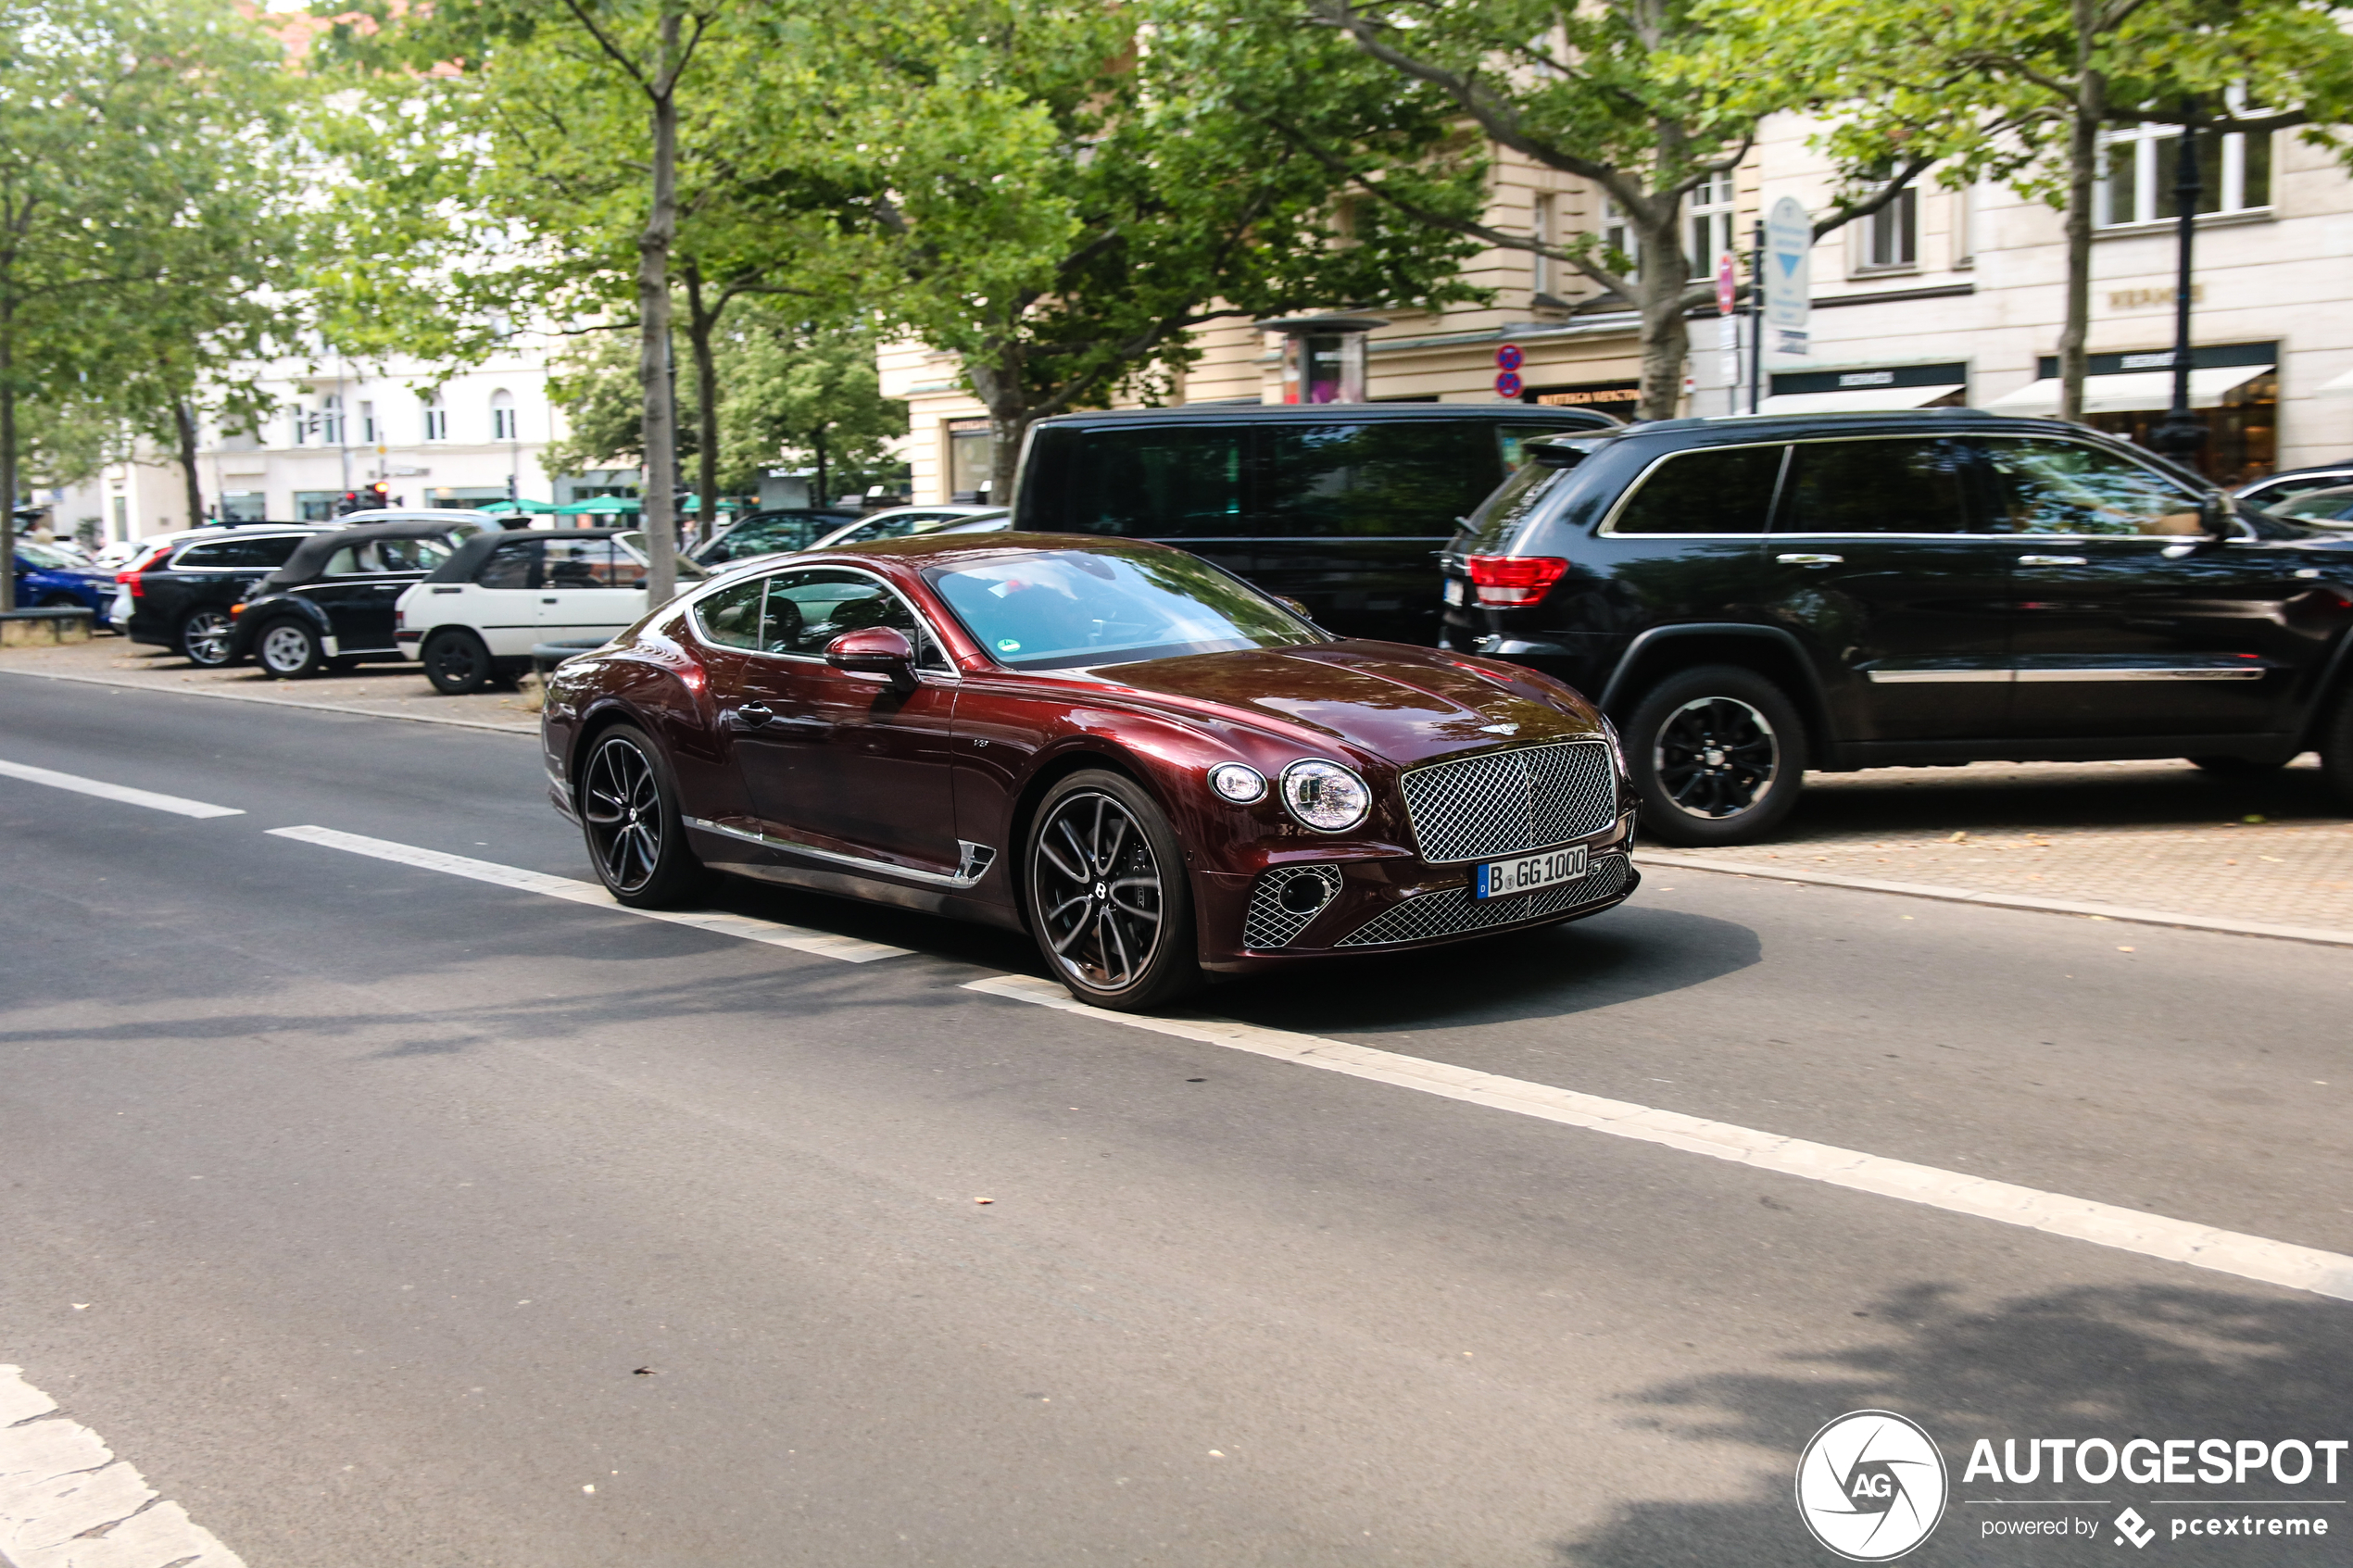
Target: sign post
(1789,274)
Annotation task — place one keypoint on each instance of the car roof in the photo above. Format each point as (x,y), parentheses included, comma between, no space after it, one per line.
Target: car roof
(1327,413)
(462,561)
(312,553)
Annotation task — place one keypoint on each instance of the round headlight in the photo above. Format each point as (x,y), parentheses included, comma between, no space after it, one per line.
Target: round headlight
(1240,784)
(1325,795)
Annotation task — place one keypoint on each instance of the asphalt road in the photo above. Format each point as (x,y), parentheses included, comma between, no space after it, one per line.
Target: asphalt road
(377,1214)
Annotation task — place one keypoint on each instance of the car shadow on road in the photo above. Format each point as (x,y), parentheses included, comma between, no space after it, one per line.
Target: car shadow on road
(2085,1362)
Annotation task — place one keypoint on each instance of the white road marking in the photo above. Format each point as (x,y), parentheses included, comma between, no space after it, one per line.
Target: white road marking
(123,793)
(60,1483)
(2130,1230)
(850,950)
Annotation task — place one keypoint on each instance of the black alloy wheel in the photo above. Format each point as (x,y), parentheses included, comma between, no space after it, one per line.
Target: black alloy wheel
(456,662)
(204,637)
(1717,755)
(629,812)
(1108,899)
(288,650)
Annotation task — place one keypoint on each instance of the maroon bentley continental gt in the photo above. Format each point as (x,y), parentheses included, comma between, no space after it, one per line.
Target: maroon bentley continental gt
(1149,765)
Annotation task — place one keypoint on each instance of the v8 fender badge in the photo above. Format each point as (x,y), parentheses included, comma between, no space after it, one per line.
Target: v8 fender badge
(1871,1485)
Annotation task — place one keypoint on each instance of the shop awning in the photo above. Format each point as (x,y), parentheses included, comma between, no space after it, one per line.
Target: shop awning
(1855,399)
(2133,392)
(520,506)
(2341,385)
(599,506)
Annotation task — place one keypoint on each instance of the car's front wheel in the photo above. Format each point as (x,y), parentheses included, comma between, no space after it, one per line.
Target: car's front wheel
(287,650)
(1109,902)
(1718,755)
(629,811)
(203,638)
(456,662)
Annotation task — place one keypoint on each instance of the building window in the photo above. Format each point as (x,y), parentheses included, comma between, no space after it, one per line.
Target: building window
(1708,219)
(1892,235)
(121,518)
(2139,166)
(503,423)
(971,449)
(1617,234)
(244,507)
(368,433)
(436,419)
(330,421)
(317,505)
(1543,227)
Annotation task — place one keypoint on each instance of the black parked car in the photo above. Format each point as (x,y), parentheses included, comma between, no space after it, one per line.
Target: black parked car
(1752,598)
(765,534)
(181,598)
(2273,489)
(333,602)
(1339,508)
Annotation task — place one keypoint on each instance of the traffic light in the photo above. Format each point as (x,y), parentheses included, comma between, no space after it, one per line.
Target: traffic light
(349,503)
(378,495)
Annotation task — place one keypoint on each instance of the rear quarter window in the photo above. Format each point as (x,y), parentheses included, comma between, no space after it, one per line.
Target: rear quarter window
(1712,490)
(1412,478)
(1164,482)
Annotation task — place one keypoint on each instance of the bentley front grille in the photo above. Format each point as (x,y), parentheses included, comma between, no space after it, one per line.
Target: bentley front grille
(1510,802)
(1452,911)
(1283,903)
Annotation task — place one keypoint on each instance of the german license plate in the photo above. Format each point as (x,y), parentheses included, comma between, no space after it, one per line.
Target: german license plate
(1502,879)
(1457,590)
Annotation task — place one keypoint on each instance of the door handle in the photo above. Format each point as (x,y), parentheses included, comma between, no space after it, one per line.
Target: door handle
(547,601)
(2050,561)
(1811,560)
(755,713)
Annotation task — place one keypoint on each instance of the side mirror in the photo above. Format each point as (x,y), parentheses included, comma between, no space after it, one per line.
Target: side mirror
(876,650)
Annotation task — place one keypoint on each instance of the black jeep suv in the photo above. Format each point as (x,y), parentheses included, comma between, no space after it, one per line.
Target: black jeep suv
(181,595)
(1751,597)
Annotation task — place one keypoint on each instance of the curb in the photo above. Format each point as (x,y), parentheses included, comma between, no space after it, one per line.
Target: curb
(277,702)
(2317,934)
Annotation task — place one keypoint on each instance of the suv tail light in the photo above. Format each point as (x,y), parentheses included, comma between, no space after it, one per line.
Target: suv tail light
(1514,579)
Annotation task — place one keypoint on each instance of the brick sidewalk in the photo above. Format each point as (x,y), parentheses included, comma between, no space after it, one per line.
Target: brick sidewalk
(395,690)
(2152,835)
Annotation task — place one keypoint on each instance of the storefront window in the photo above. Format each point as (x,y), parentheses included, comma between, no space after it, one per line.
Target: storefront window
(971,455)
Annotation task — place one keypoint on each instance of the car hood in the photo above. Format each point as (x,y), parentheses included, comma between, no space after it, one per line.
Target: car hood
(1404,705)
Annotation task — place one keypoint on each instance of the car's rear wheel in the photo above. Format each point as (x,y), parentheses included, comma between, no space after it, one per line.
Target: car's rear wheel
(456,662)
(204,637)
(287,650)
(629,811)
(1109,902)
(1718,755)
(2235,767)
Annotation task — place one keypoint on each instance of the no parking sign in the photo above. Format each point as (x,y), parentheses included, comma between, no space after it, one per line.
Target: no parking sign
(1508,359)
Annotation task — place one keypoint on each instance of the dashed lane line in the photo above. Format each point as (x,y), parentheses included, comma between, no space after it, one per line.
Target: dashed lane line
(850,950)
(66,1502)
(122,792)
(2129,1230)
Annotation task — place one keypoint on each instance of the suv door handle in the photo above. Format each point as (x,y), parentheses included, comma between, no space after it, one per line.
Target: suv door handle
(755,713)
(2050,561)
(1811,560)
(548,600)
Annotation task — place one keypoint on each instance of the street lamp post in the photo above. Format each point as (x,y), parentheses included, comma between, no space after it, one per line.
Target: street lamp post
(2182,435)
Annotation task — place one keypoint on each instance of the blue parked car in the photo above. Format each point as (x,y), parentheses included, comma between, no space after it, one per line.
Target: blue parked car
(46,575)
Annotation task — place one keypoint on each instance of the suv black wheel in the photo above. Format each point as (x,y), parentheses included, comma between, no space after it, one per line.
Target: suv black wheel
(628,805)
(456,662)
(287,650)
(1717,755)
(204,637)
(2336,748)
(1109,902)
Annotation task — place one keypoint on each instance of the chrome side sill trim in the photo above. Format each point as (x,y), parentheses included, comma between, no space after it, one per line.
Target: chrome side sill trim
(1938,677)
(856,862)
(2095,672)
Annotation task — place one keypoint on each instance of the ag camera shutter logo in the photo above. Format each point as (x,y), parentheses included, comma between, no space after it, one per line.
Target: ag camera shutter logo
(1871,1485)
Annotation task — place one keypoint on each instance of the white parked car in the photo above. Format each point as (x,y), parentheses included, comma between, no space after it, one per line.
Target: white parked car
(899,523)
(476,617)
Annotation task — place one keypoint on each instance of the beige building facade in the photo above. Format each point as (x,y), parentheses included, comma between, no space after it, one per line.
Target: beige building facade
(1947,297)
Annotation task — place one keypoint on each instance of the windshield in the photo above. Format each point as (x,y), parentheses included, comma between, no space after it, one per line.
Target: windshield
(1051,609)
(42,555)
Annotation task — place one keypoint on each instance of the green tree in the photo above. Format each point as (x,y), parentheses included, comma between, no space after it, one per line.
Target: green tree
(146,212)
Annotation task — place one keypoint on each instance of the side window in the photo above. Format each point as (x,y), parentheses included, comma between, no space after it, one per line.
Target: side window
(1175,482)
(1714,490)
(808,610)
(1392,478)
(343,563)
(201,557)
(1893,487)
(730,617)
(514,564)
(275,552)
(2066,487)
(589,563)
(405,555)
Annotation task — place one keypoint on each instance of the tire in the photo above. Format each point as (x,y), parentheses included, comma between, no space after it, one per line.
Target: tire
(2235,767)
(203,638)
(1108,897)
(288,650)
(1718,755)
(628,805)
(2337,748)
(456,662)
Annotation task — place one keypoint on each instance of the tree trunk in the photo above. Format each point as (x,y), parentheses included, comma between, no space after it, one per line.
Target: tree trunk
(8,465)
(999,387)
(2083,174)
(1662,273)
(659,504)
(823,498)
(183,419)
(702,327)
